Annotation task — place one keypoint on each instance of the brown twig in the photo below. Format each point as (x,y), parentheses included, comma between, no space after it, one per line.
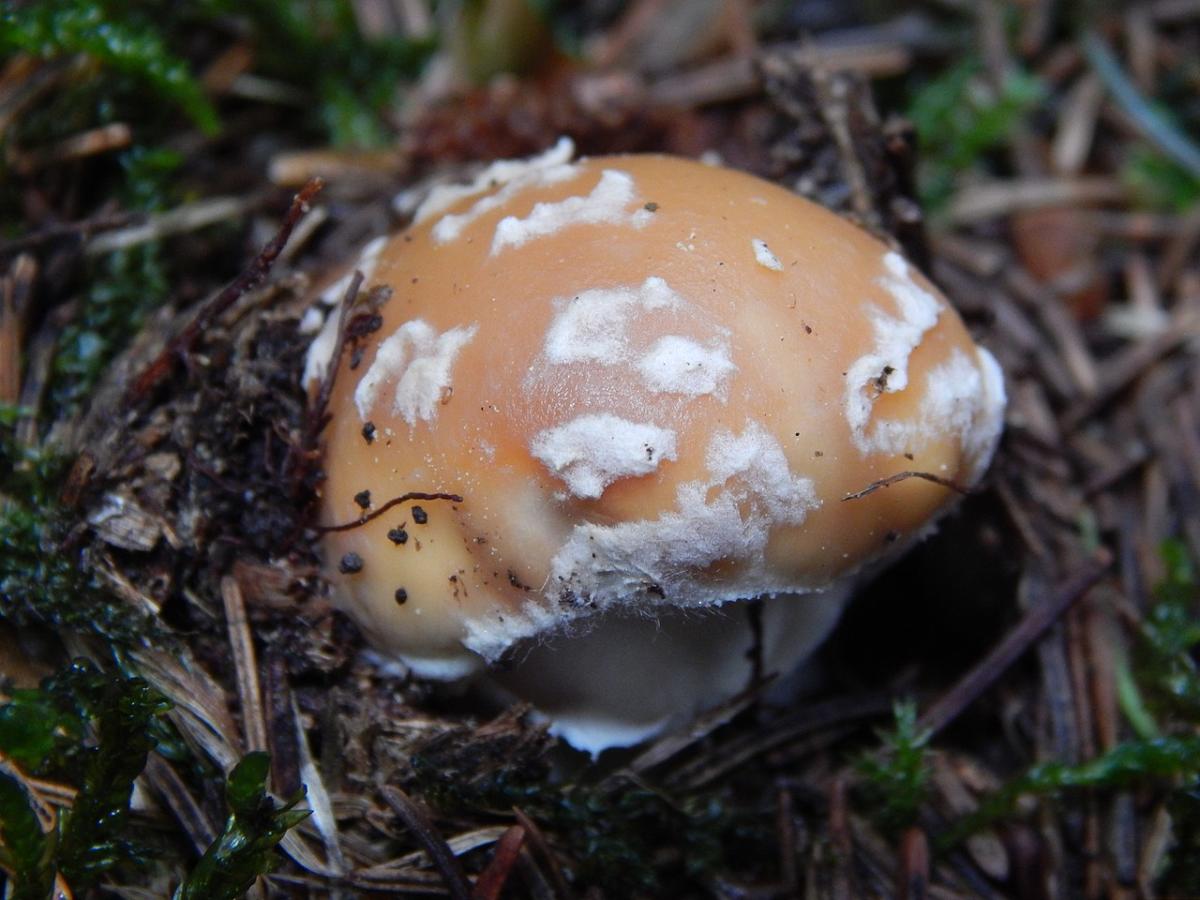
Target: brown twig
(16,294)
(539,845)
(79,230)
(395,501)
(180,346)
(904,476)
(995,199)
(175,794)
(842,887)
(1015,643)
(492,880)
(912,875)
(785,827)
(417,821)
(104,139)
(1125,367)
(241,643)
(817,717)
(675,742)
(180,220)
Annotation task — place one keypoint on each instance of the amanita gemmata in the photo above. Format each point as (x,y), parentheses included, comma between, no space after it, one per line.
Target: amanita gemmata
(652,383)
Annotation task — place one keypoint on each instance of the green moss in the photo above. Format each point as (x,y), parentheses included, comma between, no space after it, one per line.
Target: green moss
(1158,182)
(897,777)
(1166,672)
(40,582)
(620,837)
(119,36)
(1132,763)
(316,47)
(92,730)
(1165,666)
(245,849)
(26,852)
(1181,877)
(122,289)
(960,118)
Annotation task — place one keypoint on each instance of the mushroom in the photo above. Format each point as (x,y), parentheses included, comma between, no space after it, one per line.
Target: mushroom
(635,392)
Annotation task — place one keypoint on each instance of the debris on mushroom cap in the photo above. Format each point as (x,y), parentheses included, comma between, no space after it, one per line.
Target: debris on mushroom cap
(652,382)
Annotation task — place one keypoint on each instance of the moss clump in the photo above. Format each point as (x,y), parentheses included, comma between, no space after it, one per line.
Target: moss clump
(897,777)
(624,835)
(245,849)
(121,37)
(47,732)
(317,48)
(960,118)
(42,582)
(94,731)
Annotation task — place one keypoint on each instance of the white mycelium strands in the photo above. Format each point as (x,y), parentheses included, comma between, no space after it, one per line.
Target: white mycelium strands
(651,382)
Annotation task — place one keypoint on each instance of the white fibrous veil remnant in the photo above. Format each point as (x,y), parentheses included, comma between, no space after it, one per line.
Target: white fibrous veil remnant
(727,516)
(884,369)
(520,173)
(590,452)
(607,202)
(418,361)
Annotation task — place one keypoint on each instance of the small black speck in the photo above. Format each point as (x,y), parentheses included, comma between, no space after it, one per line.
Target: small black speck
(415,279)
(362,325)
(356,356)
(454,578)
(808,329)
(368,432)
(818,453)
(892,536)
(363,499)
(651,207)
(398,536)
(350,563)
(401,596)
(881,382)
(419,515)
(908,456)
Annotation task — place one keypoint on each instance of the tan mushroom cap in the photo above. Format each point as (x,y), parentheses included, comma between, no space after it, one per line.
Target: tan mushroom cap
(652,382)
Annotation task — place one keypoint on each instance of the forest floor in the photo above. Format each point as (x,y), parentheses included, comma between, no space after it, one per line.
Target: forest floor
(1012,711)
